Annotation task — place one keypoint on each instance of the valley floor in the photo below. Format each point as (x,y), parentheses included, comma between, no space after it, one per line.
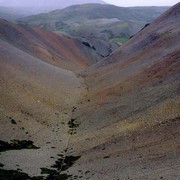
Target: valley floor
(135,150)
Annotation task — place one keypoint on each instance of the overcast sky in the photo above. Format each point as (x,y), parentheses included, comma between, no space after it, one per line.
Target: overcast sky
(142,2)
(125,3)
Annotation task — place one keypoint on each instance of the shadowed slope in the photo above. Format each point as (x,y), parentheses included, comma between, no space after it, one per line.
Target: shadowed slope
(61,51)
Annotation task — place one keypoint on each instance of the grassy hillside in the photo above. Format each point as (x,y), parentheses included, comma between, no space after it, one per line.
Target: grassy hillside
(99,11)
(35,7)
(11,13)
(97,24)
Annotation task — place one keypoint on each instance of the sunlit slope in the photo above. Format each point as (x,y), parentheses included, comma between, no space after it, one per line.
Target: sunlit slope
(36,104)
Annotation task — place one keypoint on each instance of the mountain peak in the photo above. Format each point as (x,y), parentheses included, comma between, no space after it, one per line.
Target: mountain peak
(44,5)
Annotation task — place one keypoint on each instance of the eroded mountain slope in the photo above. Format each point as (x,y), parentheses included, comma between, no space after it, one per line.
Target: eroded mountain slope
(61,50)
(119,119)
(36,104)
(130,119)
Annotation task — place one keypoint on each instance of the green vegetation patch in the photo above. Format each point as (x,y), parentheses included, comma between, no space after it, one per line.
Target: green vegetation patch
(120,39)
(58,177)
(12,120)
(65,163)
(16,175)
(54,174)
(165,33)
(123,25)
(61,26)
(16,145)
(72,125)
(61,164)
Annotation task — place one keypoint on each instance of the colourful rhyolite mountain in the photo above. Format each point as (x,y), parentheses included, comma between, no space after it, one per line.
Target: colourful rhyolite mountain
(74,118)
